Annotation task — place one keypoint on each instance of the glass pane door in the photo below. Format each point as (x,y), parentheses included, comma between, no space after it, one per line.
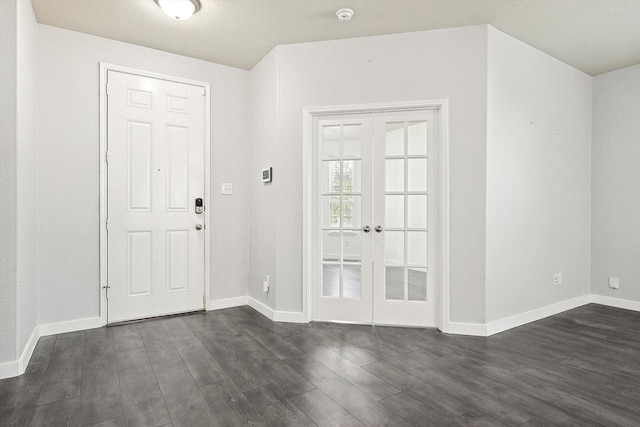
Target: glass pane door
(405,215)
(343,178)
(375,218)
(405,196)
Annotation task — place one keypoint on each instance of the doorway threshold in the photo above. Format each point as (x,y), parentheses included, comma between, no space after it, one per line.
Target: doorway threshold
(164,316)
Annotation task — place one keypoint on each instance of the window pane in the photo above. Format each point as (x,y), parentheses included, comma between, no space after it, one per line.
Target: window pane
(351,176)
(417,132)
(394,283)
(330,148)
(352,131)
(331,132)
(394,139)
(394,211)
(331,176)
(417,175)
(394,248)
(351,281)
(331,245)
(351,211)
(417,247)
(330,211)
(352,147)
(417,278)
(417,211)
(331,280)
(352,250)
(394,175)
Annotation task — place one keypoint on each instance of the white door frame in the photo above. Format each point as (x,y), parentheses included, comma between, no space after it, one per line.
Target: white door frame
(104,68)
(308,113)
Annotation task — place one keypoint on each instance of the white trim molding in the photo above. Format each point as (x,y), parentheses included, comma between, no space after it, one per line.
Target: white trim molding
(471,329)
(536,314)
(277,316)
(616,302)
(261,308)
(18,367)
(10,369)
(497,326)
(219,304)
(71,326)
(290,317)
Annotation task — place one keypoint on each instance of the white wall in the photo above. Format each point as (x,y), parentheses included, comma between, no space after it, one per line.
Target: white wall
(616,183)
(264,99)
(538,179)
(68,162)
(8,180)
(27,206)
(18,198)
(422,65)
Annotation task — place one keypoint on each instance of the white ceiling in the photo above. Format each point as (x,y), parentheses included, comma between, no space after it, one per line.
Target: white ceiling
(594,36)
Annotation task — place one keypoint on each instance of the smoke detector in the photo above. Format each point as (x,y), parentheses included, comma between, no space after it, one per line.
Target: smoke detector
(344,14)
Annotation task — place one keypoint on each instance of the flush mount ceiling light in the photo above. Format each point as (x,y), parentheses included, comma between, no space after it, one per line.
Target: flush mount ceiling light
(179,9)
(344,14)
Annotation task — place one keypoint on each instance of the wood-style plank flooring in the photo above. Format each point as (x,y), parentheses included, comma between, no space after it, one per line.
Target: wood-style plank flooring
(234,367)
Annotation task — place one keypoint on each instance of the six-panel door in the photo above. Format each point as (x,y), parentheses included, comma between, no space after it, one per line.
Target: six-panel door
(155,172)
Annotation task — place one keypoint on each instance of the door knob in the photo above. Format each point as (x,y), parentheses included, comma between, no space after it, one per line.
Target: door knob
(366,229)
(198,226)
(378,228)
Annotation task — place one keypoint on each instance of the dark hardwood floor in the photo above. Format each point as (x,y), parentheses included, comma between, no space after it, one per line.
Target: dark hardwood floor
(234,367)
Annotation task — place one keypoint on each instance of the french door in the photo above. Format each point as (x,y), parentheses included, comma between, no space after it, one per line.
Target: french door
(376,218)
(155,173)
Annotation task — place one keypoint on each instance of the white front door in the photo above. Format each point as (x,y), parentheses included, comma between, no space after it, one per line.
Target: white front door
(376,218)
(155,172)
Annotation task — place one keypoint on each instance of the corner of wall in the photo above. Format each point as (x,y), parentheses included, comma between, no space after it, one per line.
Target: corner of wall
(262,149)
(538,209)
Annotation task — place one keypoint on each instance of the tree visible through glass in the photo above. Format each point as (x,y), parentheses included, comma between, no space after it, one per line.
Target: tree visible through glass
(342,182)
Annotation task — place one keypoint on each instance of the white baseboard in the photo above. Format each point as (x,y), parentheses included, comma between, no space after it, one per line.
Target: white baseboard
(616,302)
(219,304)
(473,329)
(277,316)
(71,326)
(261,308)
(28,350)
(17,367)
(536,314)
(290,316)
(10,369)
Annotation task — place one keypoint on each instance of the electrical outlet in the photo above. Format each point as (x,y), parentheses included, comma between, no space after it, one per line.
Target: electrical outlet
(266,284)
(226,188)
(557,278)
(614,282)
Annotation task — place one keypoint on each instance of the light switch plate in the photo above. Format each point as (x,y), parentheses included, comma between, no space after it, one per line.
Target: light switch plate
(227,188)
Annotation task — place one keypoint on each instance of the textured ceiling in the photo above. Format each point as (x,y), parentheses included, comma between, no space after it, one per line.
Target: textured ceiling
(594,36)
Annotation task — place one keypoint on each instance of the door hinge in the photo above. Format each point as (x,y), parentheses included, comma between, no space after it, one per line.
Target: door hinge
(108,89)
(107,225)
(106,156)
(106,290)
(204,92)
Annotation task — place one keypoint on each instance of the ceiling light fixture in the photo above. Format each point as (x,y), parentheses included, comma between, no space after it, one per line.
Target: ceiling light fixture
(179,9)
(344,14)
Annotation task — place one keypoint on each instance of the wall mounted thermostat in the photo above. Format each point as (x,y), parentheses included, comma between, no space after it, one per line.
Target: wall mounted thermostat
(199,206)
(266,175)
